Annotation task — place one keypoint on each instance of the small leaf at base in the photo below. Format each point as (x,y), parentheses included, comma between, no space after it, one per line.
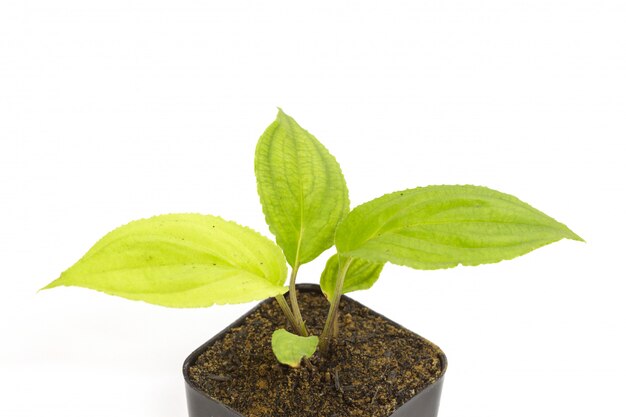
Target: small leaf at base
(361,275)
(290,348)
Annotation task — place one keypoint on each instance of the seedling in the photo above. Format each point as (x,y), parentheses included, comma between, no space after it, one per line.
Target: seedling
(195,260)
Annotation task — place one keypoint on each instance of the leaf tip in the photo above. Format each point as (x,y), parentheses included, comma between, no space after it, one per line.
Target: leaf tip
(281,113)
(283,118)
(569,234)
(574,236)
(53,284)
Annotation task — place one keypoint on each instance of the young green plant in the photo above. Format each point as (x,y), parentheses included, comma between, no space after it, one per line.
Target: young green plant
(195,260)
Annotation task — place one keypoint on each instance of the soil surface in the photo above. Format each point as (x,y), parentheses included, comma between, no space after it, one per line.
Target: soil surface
(374,367)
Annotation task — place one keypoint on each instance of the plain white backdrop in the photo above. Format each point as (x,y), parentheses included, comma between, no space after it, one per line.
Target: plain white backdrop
(116,110)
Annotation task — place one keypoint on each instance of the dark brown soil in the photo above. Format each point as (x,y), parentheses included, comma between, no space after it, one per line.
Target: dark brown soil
(373,368)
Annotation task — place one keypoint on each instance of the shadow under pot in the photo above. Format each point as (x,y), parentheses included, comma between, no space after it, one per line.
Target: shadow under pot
(376,368)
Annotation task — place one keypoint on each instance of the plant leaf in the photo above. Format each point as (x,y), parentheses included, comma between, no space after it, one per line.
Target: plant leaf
(361,275)
(181,260)
(290,348)
(446,225)
(303,192)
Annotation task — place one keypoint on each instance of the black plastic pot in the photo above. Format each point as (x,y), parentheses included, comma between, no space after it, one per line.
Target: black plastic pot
(424,404)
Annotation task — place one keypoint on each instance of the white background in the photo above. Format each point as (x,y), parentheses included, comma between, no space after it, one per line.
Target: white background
(121,109)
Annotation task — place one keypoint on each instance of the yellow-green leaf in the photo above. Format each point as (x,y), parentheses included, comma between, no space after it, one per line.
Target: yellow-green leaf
(444,226)
(302,190)
(181,260)
(361,275)
(290,348)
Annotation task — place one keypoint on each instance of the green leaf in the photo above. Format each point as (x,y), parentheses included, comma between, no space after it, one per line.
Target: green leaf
(182,260)
(290,348)
(303,192)
(361,275)
(443,226)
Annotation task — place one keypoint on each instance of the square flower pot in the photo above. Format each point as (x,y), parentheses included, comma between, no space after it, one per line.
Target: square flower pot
(424,403)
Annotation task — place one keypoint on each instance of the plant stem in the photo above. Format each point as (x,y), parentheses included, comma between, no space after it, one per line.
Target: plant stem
(334,307)
(288,313)
(335,331)
(293,297)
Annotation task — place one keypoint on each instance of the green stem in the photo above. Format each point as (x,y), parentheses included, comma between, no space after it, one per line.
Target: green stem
(288,313)
(293,297)
(334,307)
(335,331)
